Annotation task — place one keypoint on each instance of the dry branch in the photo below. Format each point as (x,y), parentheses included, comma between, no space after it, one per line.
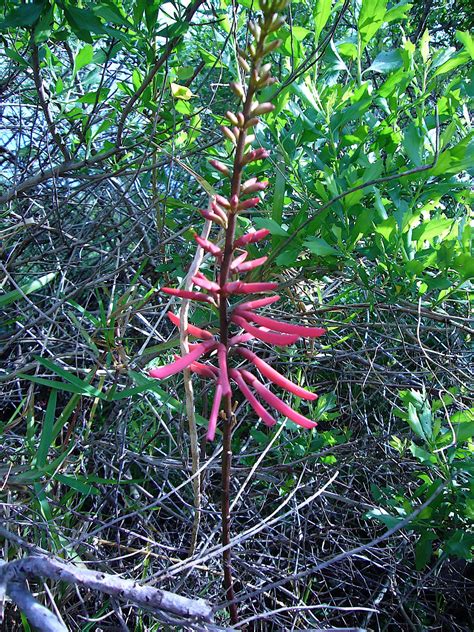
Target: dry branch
(13,574)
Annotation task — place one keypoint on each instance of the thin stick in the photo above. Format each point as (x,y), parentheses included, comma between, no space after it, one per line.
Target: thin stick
(188,387)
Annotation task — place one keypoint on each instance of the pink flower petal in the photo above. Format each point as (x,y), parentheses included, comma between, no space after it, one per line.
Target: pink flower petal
(270,337)
(250,265)
(240,339)
(163,372)
(208,246)
(195,296)
(238,260)
(277,378)
(253,186)
(223,376)
(201,281)
(250,203)
(238,287)
(212,217)
(219,211)
(265,416)
(204,370)
(211,429)
(260,302)
(222,201)
(192,329)
(276,402)
(251,238)
(287,328)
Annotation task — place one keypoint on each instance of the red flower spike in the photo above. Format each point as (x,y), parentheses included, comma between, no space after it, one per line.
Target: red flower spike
(195,296)
(238,287)
(271,337)
(163,372)
(201,281)
(260,302)
(277,378)
(191,329)
(208,246)
(251,265)
(276,402)
(251,238)
(211,429)
(264,415)
(278,325)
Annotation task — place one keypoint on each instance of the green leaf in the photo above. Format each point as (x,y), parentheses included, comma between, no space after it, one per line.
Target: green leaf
(271,225)
(47,431)
(321,16)
(181,92)
(468,40)
(371,18)
(458,60)
(398,11)
(28,288)
(24,15)
(83,57)
(87,389)
(424,550)
(414,422)
(77,484)
(386,61)
(413,144)
(387,228)
(320,247)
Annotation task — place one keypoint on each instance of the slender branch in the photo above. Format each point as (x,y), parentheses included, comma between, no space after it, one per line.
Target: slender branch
(188,388)
(147,597)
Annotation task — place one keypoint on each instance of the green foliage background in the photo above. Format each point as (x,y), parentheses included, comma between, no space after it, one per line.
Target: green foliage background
(110,113)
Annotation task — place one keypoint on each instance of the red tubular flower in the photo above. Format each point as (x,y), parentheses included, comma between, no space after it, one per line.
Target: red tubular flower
(204,370)
(191,329)
(278,325)
(163,372)
(251,238)
(223,375)
(260,302)
(201,281)
(195,296)
(208,246)
(277,378)
(211,429)
(237,287)
(273,338)
(276,402)
(250,265)
(264,415)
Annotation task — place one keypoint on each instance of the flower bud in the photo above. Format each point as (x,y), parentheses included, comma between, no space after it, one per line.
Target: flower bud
(251,122)
(230,116)
(220,199)
(237,89)
(270,47)
(262,108)
(229,134)
(253,186)
(255,154)
(251,238)
(213,217)
(246,204)
(220,167)
(208,246)
(243,64)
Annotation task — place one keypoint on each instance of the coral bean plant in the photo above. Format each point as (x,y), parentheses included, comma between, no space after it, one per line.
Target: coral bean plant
(228,348)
